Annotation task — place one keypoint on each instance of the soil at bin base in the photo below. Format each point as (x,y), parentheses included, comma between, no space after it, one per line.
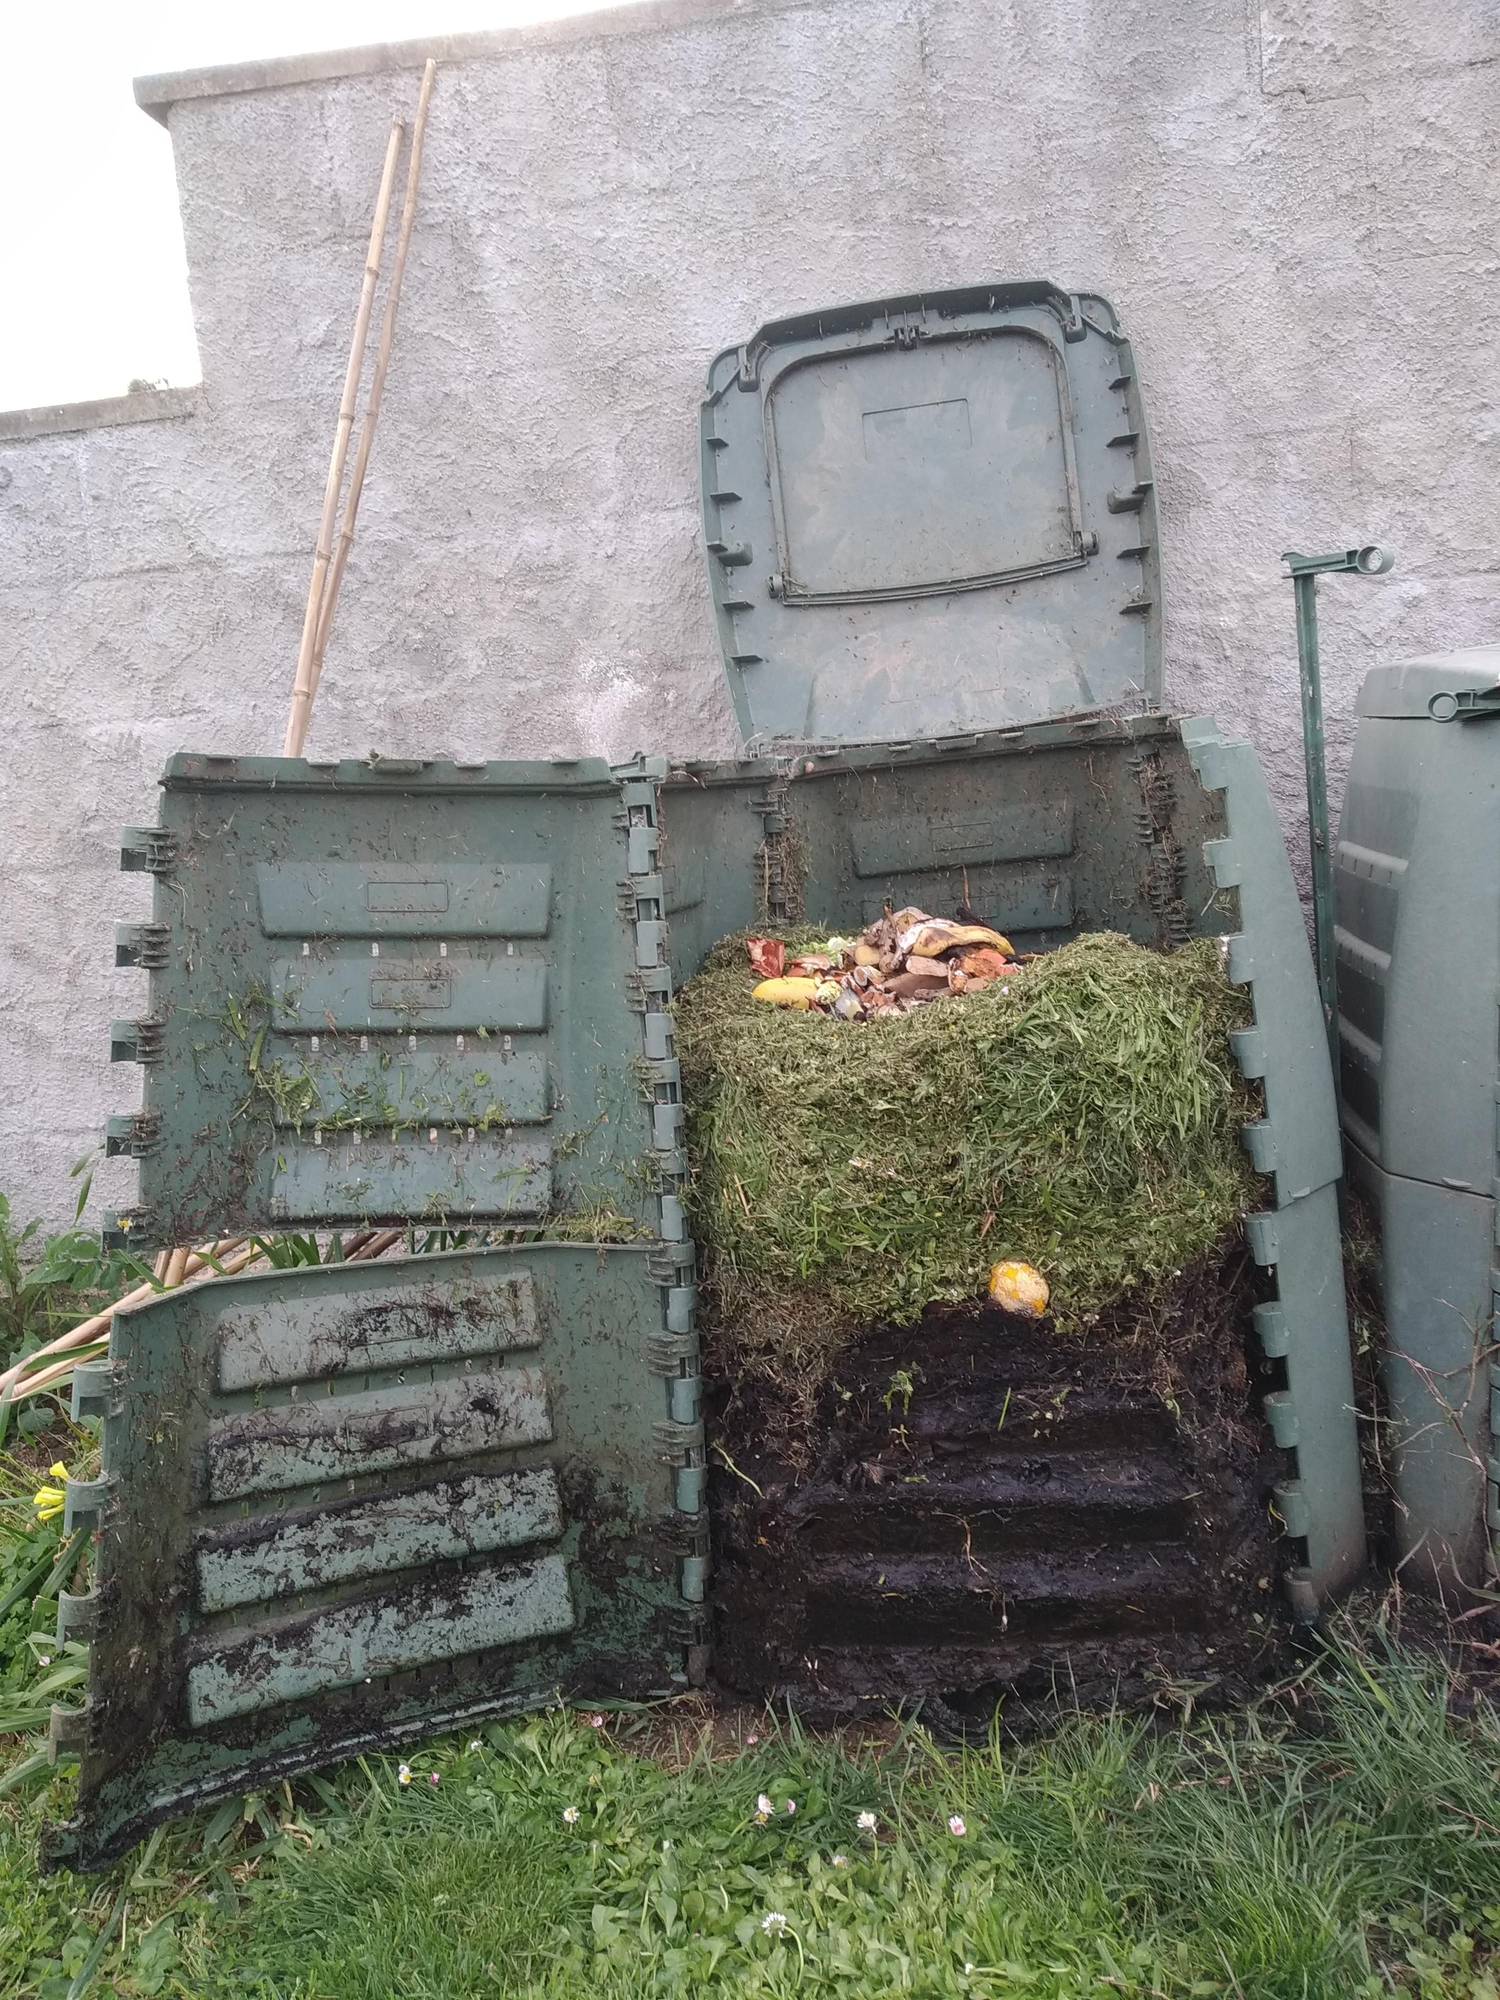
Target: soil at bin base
(997,1515)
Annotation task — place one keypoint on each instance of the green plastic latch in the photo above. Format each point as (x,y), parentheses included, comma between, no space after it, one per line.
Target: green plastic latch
(1465,705)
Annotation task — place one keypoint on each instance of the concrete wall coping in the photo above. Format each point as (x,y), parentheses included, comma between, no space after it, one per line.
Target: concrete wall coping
(157,94)
(141,406)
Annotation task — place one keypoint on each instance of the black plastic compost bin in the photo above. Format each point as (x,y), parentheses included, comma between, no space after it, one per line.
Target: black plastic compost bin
(343,1506)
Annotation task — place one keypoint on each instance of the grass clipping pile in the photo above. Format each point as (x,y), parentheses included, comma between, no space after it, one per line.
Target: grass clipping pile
(1082,1113)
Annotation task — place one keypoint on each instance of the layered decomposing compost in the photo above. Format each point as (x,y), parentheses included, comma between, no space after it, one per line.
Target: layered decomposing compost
(917,1494)
(1080,1112)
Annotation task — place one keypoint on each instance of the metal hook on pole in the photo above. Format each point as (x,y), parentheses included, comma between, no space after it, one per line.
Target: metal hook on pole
(1304,571)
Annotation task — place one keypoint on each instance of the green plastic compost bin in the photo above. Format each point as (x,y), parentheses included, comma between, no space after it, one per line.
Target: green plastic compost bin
(933,548)
(1418,957)
(343,1506)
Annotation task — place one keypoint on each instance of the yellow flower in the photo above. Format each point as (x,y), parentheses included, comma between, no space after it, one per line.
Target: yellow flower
(49,1501)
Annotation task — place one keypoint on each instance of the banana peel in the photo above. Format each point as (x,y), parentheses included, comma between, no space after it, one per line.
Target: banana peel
(788,992)
(933,936)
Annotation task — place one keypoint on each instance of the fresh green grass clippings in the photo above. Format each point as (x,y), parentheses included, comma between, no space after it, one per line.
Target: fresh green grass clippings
(1083,1114)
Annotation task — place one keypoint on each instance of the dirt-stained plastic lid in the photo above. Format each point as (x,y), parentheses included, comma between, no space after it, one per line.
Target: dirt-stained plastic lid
(931,515)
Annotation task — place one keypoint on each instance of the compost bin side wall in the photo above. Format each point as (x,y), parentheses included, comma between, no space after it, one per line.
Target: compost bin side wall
(1277,197)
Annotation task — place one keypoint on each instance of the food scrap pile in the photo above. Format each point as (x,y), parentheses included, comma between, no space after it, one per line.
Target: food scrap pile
(1078,1111)
(899,962)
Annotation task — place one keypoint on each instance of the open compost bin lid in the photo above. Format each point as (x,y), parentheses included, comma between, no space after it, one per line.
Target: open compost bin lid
(931,515)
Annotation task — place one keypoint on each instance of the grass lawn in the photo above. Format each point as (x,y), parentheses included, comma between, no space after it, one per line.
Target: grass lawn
(1343,1839)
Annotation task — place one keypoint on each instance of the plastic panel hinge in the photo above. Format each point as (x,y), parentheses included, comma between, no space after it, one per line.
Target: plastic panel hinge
(1210,759)
(680,1444)
(688,1627)
(673,1219)
(145,945)
(1302,1596)
(669,1353)
(671,1264)
(131,1227)
(1260,1143)
(77,1617)
(1248,1045)
(1290,1497)
(147,850)
(693,1579)
(85,1501)
(1224,858)
(67,1732)
(135,1041)
(687,1399)
(1281,1415)
(650,938)
(1271,1327)
(1264,1237)
(666,1126)
(642,847)
(131,1134)
(1241,966)
(682,1301)
(658,1031)
(98,1390)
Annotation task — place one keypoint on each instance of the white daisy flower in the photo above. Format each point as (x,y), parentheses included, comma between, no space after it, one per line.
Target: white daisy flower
(791,1805)
(763,1808)
(956,1825)
(570,1815)
(841,1861)
(866,1822)
(773,1923)
(403,1774)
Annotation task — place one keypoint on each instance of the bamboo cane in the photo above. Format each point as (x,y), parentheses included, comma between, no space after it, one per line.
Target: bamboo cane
(377,381)
(230,1256)
(376,1247)
(95,1328)
(296,726)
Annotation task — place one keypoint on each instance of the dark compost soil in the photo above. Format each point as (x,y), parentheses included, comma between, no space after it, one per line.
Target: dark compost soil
(988,1513)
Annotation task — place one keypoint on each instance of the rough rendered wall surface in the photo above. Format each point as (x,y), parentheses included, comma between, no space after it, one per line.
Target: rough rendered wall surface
(1291,203)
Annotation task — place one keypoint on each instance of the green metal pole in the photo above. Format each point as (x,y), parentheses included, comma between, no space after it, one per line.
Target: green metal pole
(1306,589)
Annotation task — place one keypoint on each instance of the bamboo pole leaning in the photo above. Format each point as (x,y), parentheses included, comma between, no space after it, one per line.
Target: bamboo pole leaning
(377,382)
(95,1329)
(296,727)
(50,1365)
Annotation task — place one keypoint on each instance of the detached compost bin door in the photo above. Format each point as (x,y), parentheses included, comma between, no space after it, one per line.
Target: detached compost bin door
(356,1503)
(345,1506)
(932,514)
(392,991)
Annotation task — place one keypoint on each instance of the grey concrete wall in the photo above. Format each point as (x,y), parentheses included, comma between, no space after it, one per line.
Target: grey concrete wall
(1291,203)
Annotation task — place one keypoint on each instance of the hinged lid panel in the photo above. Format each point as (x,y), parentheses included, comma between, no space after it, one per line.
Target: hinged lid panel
(932,514)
